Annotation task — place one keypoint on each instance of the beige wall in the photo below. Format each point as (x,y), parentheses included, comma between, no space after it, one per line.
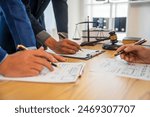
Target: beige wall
(139,20)
(75,10)
(75,13)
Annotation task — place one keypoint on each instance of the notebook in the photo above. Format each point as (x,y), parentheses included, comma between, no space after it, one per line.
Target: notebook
(84,54)
(65,73)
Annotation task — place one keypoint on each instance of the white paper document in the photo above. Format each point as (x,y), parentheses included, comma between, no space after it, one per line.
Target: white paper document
(122,68)
(82,54)
(65,73)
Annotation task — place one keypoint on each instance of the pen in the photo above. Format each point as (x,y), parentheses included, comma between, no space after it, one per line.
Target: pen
(140,42)
(22,47)
(63,36)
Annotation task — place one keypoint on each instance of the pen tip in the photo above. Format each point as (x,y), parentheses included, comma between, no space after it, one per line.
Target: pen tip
(116,54)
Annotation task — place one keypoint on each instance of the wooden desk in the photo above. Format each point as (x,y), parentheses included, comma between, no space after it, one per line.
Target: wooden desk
(89,86)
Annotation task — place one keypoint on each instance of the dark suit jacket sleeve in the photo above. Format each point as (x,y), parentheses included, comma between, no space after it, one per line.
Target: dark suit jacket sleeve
(39,31)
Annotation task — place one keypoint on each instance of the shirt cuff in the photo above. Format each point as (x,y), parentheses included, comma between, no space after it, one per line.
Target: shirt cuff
(4,58)
(32,48)
(42,36)
(3,55)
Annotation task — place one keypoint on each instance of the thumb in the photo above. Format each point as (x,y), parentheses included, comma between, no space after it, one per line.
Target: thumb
(41,48)
(132,48)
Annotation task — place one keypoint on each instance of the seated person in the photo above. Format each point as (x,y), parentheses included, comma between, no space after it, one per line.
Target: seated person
(135,54)
(25,63)
(35,9)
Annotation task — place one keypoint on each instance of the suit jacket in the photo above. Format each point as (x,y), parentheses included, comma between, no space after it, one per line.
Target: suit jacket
(35,9)
(15,26)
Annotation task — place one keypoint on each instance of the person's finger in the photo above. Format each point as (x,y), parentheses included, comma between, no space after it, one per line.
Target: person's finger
(59,58)
(71,47)
(132,59)
(130,56)
(121,48)
(43,62)
(133,48)
(67,51)
(41,48)
(129,49)
(41,53)
(37,66)
(122,56)
(126,57)
(32,72)
(72,43)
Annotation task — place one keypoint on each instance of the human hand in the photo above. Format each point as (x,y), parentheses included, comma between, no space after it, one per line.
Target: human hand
(58,58)
(64,46)
(26,63)
(135,53)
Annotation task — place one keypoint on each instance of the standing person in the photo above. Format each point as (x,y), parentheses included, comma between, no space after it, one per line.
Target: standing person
(61,15)
(25,63)
(35,9)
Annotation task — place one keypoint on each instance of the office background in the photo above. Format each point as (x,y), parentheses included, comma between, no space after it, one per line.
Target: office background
(136,13)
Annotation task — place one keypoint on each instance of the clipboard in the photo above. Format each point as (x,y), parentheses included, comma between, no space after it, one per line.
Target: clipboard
(84,54)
